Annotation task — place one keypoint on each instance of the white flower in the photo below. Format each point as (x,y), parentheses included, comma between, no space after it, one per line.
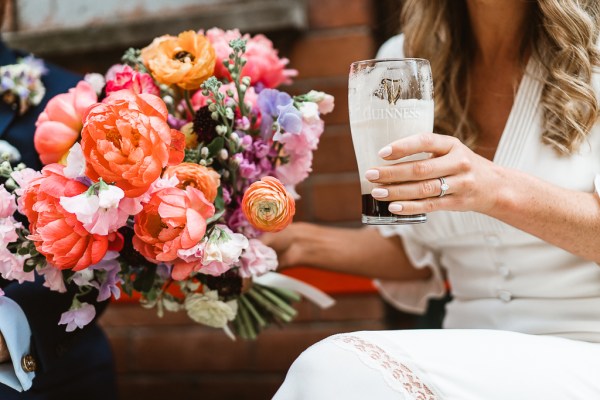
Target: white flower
(75,162)
(100,214)
(310,111)
(222,250)
(110,197)
(208,310)
(96,81)
(84,277)
(10,150)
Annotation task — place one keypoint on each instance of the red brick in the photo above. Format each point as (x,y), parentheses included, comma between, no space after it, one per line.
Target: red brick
(133,314)
(120,346)
(337,199)
(339,13)
(275,350)
(188,349)
(204,386)
(335,152)
(365,307)
(337,87)
(330,54)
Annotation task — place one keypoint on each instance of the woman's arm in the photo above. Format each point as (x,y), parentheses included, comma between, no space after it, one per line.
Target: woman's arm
(564,218)
(354,251)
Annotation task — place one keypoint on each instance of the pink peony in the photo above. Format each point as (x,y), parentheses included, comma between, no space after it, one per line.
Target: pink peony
(258,259)
(124,77)
(59,126)
(263,64)
(8,206)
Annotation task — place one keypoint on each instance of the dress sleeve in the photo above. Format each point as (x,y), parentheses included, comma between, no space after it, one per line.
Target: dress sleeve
(392,48)
(413,296)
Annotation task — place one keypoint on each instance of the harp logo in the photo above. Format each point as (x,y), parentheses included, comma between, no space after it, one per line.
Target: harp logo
(390,90)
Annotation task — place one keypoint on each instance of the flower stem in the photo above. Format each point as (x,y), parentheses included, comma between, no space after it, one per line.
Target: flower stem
(188,102)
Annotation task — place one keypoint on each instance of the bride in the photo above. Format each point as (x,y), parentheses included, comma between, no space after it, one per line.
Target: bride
(516,234)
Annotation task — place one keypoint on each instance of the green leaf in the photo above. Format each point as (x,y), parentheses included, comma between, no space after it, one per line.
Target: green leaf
(216,145)
(145,279)
(219,202)
(215,217)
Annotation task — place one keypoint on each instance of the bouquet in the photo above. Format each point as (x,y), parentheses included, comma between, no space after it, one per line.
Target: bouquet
(159,178)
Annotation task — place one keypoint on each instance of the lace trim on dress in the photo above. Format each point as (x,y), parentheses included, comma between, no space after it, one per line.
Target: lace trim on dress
(396,374)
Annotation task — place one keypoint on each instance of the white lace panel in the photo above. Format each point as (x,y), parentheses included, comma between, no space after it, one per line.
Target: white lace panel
(395,373)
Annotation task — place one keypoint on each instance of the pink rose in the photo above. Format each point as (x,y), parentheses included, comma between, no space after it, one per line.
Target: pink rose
(263,64)
(59,125)
(258,259)
(125,77)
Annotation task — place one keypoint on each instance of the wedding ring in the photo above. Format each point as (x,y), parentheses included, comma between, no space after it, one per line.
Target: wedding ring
(443,187)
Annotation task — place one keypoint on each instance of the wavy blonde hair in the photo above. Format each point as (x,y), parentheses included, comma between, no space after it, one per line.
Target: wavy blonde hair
(562,38)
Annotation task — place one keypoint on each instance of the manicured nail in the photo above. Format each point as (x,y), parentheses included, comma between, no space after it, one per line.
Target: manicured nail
(379,193)
(385,151)
(394,207)
(372,174)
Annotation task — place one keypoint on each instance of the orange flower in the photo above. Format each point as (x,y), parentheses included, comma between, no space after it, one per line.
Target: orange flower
(56,233)
(174,219)
(58,127)
(186,60)
(126,141)
(268,206)
(197,176)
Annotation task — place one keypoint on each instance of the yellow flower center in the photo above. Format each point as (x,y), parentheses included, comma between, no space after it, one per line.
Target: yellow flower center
(184,56)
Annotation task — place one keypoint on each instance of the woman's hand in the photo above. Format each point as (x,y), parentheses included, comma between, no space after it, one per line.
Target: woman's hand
(414,187)
(288,253)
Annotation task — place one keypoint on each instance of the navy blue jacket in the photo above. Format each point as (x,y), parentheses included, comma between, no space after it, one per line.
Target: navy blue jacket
(70,365)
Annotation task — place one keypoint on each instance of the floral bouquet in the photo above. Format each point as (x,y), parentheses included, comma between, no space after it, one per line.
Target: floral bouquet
(159,178)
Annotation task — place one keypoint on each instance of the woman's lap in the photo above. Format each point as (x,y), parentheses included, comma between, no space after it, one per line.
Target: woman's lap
(445,364)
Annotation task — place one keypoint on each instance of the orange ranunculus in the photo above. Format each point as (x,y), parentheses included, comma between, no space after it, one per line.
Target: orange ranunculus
(59,125)
(126,141)
(174,219)
(56,233)
(268,206)
(206,180)
(186,60)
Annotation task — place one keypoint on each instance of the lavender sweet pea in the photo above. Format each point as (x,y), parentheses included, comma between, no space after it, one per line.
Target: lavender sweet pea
(273,103)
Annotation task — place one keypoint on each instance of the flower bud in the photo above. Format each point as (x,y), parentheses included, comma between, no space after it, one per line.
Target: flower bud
(223,154)
(215,116)
(229,92)
(246,80)
(212,107)
(204,152)
(243,88)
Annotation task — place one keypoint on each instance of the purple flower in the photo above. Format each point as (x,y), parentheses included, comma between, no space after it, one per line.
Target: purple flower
(108,287)
(79,316)
(273,103)
(175,123)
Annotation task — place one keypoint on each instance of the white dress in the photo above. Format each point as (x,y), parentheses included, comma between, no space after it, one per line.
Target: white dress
(524,322)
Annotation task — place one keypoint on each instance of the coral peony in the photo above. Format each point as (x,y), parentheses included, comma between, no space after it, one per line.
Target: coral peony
(186,60)
(206,180)
(174,219)
(263,66)
(59,125)
(58,234)
(268,206)
(126,77)
(126,141)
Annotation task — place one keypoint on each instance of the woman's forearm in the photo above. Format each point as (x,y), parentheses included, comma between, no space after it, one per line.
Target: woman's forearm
(565,218)
(354,251)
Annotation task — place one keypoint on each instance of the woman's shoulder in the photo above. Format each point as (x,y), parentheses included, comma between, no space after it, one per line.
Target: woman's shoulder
(392,48)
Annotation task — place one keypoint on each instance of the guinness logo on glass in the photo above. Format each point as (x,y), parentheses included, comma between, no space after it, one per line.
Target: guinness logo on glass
(389,89)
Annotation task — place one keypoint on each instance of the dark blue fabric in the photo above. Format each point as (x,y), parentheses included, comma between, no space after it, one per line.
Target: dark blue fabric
(71,365)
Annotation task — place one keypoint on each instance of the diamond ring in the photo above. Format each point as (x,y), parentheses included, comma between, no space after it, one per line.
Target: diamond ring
(443,187)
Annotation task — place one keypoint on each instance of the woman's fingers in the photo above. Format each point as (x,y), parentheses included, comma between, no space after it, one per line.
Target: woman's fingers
(414,190)
(408,171)
(421,143)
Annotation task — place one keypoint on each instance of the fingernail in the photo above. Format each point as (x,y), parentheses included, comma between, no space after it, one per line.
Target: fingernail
(385,151)
(394,207)
(372,174)
(379,193)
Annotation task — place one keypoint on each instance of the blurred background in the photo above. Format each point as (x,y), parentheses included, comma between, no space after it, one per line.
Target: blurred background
(171,356)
